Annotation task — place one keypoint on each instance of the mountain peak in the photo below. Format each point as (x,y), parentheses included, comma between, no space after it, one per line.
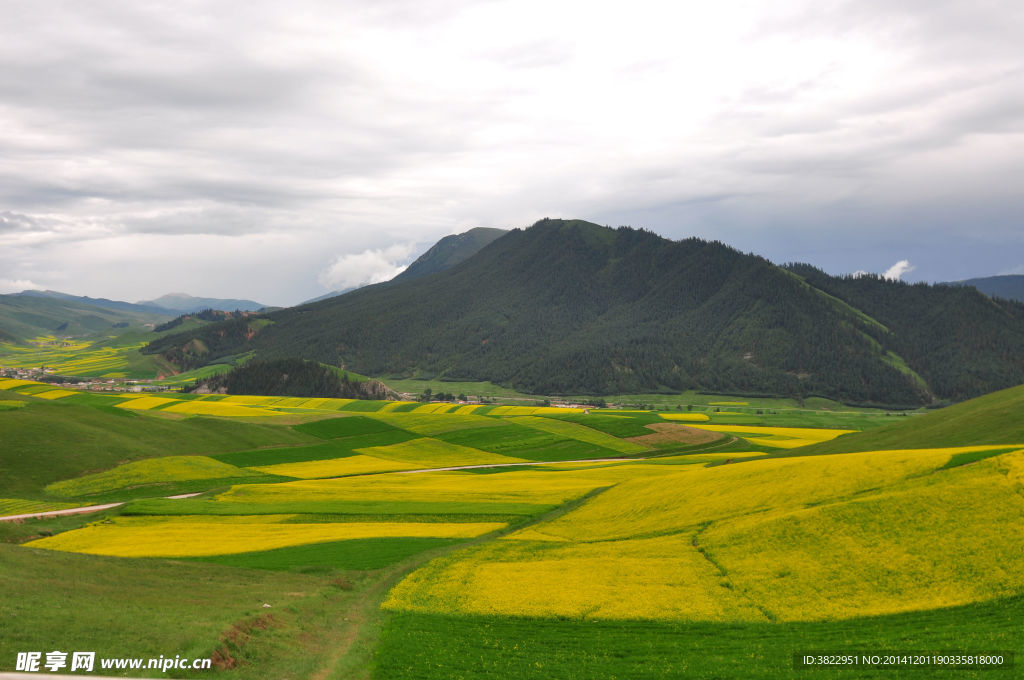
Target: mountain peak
(450,251)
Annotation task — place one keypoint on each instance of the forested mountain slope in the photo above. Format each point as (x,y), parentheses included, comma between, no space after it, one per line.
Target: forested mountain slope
(450,251)
(572,307)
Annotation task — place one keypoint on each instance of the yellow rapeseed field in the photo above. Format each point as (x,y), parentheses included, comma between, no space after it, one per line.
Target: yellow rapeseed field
(217,408)
(658,578)
(56,394)
(69,357)
(432,453)
(146,403)
(937,541)
(192,536)
(11,383)
(740,543)
(813,538)
(333,467)
(778,437)
(683,499)
(686,416)
(431,408)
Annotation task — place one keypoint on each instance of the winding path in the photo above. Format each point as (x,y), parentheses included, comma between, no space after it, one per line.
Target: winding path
(85,509)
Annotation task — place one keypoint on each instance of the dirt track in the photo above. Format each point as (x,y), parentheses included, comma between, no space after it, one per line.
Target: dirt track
(85,509)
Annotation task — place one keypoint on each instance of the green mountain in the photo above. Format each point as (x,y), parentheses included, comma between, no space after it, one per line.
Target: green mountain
(28,315)
(964,343)
(1010,287)
(569,307)
(450,251)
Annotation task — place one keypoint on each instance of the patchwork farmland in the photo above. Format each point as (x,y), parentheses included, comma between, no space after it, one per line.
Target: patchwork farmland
(336,538)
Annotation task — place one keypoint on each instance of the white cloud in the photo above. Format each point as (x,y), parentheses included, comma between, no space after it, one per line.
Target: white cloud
(859,273)
(16,286)
(1016,271)
(352,270)
(896,271)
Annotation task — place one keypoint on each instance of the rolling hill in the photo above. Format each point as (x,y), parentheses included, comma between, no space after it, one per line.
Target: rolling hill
(31,314)
(575,308)
(996,418)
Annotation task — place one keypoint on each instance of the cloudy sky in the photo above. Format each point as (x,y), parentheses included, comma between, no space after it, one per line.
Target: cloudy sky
(275,151)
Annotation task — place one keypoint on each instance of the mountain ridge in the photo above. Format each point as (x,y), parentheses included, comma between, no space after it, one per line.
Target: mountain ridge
(570,307)
(183,303)
(450,251)
(1008,286)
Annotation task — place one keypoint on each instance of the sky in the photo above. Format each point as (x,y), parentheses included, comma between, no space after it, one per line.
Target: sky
(275,151)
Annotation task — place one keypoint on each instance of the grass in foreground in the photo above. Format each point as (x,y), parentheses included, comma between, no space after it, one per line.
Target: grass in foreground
(429,646)
(117,608)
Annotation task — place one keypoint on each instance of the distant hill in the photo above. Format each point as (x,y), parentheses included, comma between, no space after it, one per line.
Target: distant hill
(31,314)
(450,251)
(570,307)
(183,303)
(1010,287)
(116,305)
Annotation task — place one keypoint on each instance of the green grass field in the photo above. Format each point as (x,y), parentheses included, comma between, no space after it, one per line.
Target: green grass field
(428,646)
(721,559)
(359,554)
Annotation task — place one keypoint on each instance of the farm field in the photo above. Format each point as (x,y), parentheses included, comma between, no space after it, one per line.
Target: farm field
(565,543)
(102,357)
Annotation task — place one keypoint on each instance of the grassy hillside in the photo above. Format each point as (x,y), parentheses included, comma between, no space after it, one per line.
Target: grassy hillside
(24,317)
(45,442)
(996,418)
